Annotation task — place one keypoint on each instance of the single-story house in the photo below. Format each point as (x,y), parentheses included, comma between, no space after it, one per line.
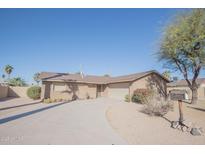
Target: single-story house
(182,85)
(78,86)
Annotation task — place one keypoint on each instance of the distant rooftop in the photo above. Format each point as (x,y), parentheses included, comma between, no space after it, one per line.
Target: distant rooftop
(179,83)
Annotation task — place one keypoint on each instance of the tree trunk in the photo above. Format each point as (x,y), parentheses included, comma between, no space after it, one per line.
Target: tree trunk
(194,95)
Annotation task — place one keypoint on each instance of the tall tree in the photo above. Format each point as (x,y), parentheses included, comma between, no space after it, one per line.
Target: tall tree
(167,74)
(8,69)
(36,77)
(183,47)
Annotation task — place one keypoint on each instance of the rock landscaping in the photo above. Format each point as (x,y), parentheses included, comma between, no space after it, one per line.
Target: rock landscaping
(187,127)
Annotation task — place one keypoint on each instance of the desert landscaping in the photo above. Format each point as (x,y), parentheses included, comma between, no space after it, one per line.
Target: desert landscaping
(138,128)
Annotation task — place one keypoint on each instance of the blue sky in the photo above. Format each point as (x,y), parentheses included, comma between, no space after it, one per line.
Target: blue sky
(103,41)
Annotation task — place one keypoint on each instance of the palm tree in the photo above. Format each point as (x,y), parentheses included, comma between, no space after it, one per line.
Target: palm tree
(8,69)
(36,77)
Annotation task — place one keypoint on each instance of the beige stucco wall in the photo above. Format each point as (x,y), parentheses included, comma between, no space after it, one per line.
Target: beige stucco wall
(201,91)
(69,91)
(18,92)
(3,91)
(43,91)
(151,81)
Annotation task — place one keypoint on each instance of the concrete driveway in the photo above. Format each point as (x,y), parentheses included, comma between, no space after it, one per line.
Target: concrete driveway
(24,121)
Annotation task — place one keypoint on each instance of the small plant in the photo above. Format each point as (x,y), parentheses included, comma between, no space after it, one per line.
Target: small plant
(138,98)
(55,100)
(47,100)
(127,98)
(34,92)
(157,107)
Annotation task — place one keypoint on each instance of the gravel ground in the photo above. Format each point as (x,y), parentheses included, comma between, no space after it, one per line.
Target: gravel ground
(138,128)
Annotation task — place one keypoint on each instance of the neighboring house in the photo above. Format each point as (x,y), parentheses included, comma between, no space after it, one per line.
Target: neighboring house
(182,85)
(77,86)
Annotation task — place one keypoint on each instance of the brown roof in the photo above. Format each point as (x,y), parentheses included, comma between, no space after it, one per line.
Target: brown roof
(49,76)
(45,75)
(132,77)
(78,78)
(184,82)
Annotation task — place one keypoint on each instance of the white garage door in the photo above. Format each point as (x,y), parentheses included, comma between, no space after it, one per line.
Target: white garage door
(118,91)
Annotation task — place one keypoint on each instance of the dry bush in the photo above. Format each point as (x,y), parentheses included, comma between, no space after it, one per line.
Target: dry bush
(157,107)
(49,100)
(142,95)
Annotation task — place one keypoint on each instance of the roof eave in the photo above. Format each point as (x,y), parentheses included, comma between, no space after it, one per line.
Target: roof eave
(74,81)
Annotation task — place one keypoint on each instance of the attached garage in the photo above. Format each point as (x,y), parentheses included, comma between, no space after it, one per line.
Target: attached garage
(118,90)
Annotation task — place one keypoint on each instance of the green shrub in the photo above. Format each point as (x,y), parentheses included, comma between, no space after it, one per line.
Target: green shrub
(34,92)
(142,95)
(138,98)
(127,98)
